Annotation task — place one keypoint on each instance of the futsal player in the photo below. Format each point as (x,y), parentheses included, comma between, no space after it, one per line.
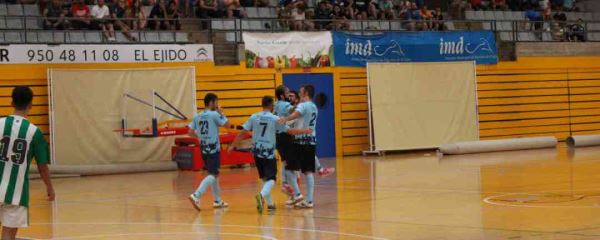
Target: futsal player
(205,126)
(21,142)
(264,127)
(284,140)
(304,146)
(294,99)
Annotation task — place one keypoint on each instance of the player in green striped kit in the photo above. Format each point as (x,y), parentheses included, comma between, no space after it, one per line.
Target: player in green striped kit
(20,142)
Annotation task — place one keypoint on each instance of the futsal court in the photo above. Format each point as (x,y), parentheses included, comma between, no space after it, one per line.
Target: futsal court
(533,194)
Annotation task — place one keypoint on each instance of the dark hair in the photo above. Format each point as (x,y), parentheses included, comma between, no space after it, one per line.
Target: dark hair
(310,90)
(295,94)
(209,97)
(280,90)
(22,97)
(267,101)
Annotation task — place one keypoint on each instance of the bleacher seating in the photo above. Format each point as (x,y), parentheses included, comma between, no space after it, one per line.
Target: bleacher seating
(504,23)
(23,23)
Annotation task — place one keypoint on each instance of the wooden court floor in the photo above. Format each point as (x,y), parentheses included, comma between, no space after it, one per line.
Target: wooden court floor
(536,194)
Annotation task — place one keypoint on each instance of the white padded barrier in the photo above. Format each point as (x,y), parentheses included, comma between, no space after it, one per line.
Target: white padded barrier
(583,141)
(498,145)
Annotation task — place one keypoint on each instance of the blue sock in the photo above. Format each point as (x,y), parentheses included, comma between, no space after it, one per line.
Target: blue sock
(266,191)
(292,180)
(207,181)
(283,174)
(216,189)
(317,163)
(310,187)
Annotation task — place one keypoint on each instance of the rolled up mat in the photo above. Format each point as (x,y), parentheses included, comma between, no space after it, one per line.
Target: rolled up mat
(498,145)
(583,141)
(86,170)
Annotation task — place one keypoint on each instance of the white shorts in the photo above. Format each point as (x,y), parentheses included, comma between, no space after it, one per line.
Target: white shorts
(13,216)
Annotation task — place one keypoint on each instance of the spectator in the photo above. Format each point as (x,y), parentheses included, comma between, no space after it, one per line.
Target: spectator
(576,32)
(361,9)
(100,14)
(118,14)
(299,17)
(499,5)
(207,9)
(55,16)
(81,15)
(568,4)
(158,16)
(322,14)
(426,17)
(558,32)
(476,4)
(348,9)
(137,12)
(387,9)
(438,20)
(547,9)
(174,15)
(261,3)
(233,9)
(414,15)
(340,18)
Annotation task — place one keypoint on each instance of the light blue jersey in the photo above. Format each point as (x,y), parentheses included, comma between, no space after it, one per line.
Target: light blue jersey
(282,109)
(206,125)
(264,126)
(308,119)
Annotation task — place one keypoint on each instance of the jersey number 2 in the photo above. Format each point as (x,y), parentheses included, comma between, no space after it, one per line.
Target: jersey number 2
(312,120)
(19,150)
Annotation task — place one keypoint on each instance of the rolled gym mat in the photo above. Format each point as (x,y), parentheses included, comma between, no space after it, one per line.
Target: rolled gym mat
(583,141)
(498,145)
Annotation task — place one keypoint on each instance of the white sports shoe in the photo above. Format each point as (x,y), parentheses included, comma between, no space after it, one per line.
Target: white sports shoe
(303,205)
(195,201)
(221,204)
(294,200)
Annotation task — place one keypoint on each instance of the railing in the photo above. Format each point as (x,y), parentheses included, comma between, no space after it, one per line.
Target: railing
(232,28)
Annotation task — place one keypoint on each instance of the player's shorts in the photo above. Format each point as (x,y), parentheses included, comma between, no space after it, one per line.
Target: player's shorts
(267,168)
(284,143)
(303,158)
(14,216)
(212,162)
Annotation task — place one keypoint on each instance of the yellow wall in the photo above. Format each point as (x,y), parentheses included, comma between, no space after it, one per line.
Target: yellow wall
(532,96)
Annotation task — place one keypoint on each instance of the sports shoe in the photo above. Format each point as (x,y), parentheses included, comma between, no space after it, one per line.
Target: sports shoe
(195,201)
(260,202)
(271,208)
(303,205)
(294,200)
(221,204)
(324,172)
(287,189)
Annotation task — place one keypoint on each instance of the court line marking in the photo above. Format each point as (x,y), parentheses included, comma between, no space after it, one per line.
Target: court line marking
(489,201)
(217,225)
(167,233)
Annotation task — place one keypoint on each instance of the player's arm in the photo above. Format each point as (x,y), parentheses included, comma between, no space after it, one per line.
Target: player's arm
(241,135)
(192,128)
(222,120)
(246,128)
(296,131)
(295,115)
(41,153)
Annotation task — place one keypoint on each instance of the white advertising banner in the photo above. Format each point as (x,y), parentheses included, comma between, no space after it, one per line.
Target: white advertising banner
(107,53)
(288,50)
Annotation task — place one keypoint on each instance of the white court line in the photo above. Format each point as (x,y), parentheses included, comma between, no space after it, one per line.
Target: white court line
(166,233)
(221,225)
(489,201)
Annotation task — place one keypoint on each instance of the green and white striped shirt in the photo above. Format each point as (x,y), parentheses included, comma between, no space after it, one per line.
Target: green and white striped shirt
(19,143)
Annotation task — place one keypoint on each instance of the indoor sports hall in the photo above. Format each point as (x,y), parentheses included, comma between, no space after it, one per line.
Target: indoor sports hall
(305,119)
